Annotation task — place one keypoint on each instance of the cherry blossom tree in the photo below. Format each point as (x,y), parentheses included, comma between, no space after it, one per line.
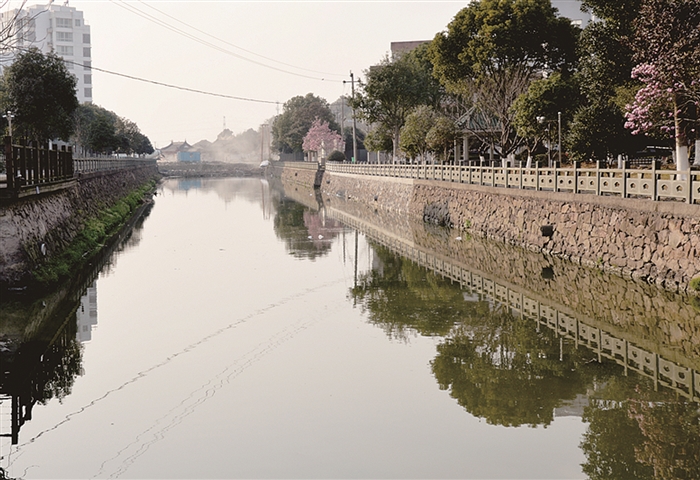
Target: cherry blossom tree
(666,44)
(321,138)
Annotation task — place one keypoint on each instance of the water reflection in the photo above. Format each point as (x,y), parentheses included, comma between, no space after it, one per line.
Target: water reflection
(515,340)
(545,339)
(41,338)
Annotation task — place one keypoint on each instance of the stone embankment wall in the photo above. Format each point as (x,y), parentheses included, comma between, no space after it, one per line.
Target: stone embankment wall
(37,227)
(655,241)
(301,173)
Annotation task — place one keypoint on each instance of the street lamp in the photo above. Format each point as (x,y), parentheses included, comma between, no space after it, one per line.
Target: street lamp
(559,135)
(9,116)
(541,120)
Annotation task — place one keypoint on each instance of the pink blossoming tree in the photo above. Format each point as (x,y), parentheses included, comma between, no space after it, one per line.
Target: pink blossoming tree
(667,46)
(321,137)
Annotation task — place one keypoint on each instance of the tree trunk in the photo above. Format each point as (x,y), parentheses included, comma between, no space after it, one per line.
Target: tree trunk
(682,162)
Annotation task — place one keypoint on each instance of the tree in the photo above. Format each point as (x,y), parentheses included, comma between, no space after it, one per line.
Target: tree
(441,137)
(321,137)
(605,62)
(11,28)
(545,98)
(413,140)
(379,140)
(40,91)
(102,131)
(291,126)
(392,89)
(492,51)
(666,45)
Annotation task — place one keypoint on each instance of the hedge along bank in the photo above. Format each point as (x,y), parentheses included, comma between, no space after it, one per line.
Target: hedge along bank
(658,242)
(45,237)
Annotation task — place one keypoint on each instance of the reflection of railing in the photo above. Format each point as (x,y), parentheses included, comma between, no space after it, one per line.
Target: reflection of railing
(683,380)
(653,183)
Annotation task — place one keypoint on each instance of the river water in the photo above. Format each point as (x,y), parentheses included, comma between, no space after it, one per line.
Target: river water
(245,330)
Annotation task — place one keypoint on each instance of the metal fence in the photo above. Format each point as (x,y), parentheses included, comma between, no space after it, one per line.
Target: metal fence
(652,183)
(30,168)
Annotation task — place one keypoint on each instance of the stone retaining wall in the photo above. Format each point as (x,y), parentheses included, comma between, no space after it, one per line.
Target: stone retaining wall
(41,226)
(655,241)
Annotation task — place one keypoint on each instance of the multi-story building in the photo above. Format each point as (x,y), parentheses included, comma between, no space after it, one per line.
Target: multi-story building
(53,28)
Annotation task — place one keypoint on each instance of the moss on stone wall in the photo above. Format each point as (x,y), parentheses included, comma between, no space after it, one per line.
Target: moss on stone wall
(95,232)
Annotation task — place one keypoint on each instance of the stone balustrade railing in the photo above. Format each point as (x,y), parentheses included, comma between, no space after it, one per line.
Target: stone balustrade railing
(93,165)
(654,183)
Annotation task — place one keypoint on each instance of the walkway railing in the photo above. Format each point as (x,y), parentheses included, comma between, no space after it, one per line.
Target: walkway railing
(91,165)
(31,164)
(32,168)
(653,183)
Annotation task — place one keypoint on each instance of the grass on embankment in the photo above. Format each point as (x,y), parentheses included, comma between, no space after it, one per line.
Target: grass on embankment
(96,231)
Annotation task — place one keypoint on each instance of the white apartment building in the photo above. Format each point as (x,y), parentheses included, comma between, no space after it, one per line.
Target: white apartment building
(54,28)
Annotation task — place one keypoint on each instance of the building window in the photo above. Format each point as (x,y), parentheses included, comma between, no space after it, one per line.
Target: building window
(64,36)
(87,64)
(66,50)
(64,23)
(86,52)
(86,38)
(77,22)
(88,93)
(87,79)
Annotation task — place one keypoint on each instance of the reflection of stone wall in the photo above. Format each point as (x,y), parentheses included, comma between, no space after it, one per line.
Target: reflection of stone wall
(662,321)
(658,241)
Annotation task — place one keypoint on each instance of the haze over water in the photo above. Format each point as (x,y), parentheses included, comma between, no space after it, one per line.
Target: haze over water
(240,334)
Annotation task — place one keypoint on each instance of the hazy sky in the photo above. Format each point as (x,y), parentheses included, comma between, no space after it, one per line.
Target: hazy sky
(311,47)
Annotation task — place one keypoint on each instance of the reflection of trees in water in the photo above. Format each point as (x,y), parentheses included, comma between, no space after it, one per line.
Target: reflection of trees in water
(43,355)
(294,223)
(495,365)
(40,370)
(637,433)
(404,297)
(498,367)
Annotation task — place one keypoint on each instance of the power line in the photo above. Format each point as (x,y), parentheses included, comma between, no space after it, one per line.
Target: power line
(169,85)
(236,46)
(179,31)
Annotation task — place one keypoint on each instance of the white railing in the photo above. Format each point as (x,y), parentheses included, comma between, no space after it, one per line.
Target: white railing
(653,183)
(92,165)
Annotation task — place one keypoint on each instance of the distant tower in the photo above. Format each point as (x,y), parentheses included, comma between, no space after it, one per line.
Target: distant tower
(224,122)
(54,28)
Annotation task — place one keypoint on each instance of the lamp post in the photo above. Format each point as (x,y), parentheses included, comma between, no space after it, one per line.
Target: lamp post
(541,120)
(559,134)
(9,116)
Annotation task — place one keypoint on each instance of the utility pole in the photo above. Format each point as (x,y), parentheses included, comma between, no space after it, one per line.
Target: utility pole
(263,128)
(354,124)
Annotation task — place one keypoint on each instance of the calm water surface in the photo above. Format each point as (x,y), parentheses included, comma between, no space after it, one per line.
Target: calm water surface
(240,334)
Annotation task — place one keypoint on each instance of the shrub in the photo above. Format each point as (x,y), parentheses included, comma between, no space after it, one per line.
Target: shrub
(336,156)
